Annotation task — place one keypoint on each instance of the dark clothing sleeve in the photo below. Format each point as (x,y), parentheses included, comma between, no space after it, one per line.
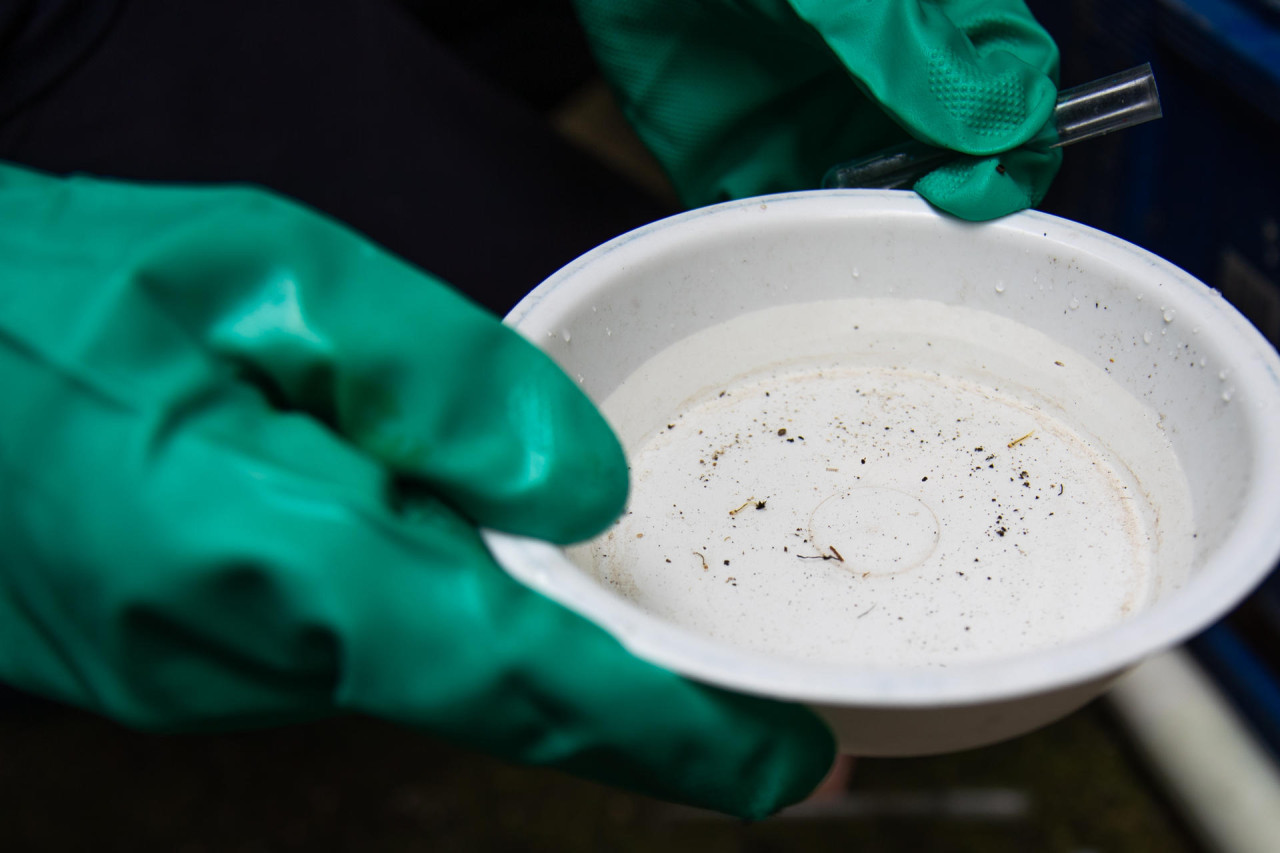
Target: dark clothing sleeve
(41,41)
(351,106)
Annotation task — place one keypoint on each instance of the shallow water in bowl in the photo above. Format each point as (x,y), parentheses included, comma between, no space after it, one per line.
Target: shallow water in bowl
(889,482)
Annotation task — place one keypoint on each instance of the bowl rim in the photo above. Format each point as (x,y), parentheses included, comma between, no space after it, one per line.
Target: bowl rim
(1243,559)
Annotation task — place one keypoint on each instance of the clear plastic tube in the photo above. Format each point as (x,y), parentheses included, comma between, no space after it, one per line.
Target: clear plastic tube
(1082,112)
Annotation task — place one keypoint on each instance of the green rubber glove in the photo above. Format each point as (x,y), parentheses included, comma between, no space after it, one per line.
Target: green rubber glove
(744,98)
(242,456)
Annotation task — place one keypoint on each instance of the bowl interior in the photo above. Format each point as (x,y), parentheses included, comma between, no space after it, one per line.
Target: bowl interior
(1188,372)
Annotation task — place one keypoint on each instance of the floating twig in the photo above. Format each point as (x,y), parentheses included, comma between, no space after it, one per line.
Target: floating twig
(1021,439)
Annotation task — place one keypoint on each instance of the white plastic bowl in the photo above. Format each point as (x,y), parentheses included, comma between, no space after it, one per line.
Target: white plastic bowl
(1211,379)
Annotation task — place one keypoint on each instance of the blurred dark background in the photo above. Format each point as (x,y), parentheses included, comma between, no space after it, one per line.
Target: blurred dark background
(72,782)
(1201,187)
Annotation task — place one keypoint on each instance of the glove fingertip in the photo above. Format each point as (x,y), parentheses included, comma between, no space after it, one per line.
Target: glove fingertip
(587,486)
(804,750)
(981,189)
(567,479)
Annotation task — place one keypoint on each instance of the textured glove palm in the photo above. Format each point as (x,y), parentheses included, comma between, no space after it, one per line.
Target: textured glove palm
(242,456)
(744,98)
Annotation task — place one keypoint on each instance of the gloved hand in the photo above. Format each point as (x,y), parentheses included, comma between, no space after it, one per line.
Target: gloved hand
(242,457)
(744,98)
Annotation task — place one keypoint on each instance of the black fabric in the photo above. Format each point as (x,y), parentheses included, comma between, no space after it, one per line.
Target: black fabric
(532,48)
(43,40)
(348,105)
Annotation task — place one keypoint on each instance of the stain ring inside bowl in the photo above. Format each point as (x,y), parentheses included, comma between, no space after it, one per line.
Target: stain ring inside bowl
(874,530)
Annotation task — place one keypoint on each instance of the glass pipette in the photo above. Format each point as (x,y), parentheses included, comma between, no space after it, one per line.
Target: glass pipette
(1082,112)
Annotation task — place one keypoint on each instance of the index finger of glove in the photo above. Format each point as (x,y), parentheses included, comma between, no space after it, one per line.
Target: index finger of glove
(243,282)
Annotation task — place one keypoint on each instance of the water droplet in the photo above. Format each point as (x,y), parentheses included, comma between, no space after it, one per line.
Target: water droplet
(1146,337)
(856,273)
(1222,374)
(567,337)
(1226,395)
(1139,297)
(1195,330)
(608,333)
(1168,315)
(580,380)
(1164,331)
(1073,304)
(593,309)
(999,287)
(1203,362)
